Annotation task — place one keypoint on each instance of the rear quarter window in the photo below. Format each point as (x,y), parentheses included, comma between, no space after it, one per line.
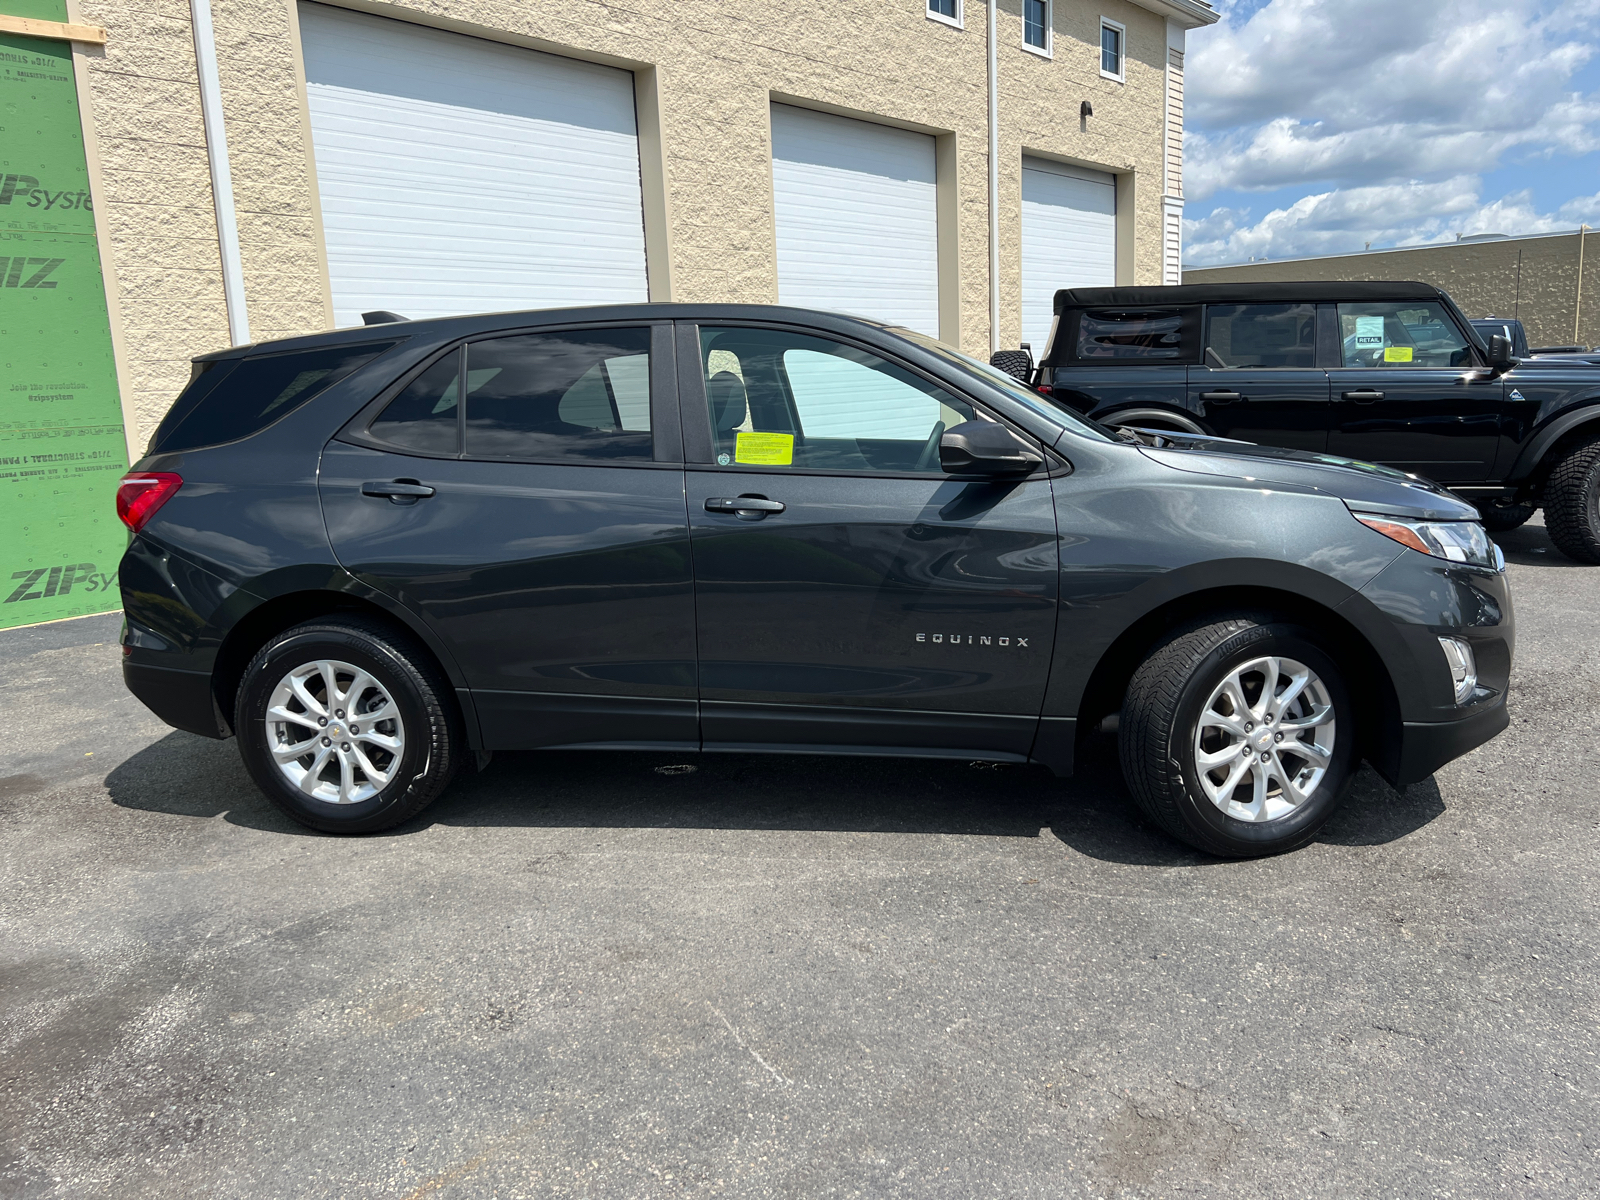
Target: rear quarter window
(1169,335)
(233,398)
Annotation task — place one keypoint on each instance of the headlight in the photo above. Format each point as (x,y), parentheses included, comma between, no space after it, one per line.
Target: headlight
(1463,667)
(1457,541)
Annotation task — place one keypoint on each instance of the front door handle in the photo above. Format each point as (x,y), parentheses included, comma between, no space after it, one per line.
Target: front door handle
(1364,396)
(746,508)
(1220,397)
(399,491)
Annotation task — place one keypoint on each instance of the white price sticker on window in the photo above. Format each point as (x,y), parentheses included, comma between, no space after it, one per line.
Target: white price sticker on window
(1369,331)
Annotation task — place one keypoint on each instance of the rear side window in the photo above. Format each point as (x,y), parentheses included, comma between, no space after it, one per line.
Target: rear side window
(424,417)
(1261,335)
(580,395)
(1135,334)
(234,398)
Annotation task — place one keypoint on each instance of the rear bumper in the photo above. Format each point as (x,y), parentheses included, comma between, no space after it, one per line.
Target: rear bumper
(183,699)
(1427,746)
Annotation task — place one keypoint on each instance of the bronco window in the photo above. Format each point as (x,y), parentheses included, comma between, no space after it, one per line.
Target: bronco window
(1134,333)
(1412,333)
(1261,335)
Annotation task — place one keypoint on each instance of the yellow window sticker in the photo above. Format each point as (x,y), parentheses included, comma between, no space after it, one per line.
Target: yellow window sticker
(1397,354)
(764,449)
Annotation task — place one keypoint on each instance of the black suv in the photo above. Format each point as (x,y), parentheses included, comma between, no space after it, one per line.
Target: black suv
(1391,373)
(379,553)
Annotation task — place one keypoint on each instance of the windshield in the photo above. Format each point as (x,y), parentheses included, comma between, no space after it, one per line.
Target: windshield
(1011,386)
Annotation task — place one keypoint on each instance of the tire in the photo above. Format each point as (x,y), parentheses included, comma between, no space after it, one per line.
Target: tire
(1503,518)
(1572,503)
(1016,363)
(1161,736)
(398,764)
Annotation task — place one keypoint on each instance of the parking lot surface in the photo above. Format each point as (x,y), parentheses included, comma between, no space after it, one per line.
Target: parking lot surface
(582,975)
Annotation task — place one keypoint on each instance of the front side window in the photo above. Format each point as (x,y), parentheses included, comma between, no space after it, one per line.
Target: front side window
(1261,335)
(1141,333)
(1405,334)
(779,399)
(1036,24)
(948,11)
(1111,38)
(580,395)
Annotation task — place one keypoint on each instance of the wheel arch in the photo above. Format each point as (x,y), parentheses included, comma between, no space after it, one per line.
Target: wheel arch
(1134,414)
(1565,428)
(1379,727)
(271,617)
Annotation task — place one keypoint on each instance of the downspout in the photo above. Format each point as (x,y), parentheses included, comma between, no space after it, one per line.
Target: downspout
(1577,306)
(994,183)
(205,57)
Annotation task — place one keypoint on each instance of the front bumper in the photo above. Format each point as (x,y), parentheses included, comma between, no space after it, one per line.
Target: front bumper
(1425,746)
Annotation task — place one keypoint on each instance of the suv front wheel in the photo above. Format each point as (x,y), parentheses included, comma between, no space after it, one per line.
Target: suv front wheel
(1238,738)
(345,726)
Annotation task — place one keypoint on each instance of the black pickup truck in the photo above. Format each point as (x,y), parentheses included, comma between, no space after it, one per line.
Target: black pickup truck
(1387,373)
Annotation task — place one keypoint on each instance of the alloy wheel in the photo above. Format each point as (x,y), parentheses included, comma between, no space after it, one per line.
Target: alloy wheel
(335,732)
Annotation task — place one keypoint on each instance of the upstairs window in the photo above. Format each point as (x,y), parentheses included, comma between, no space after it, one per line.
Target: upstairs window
(1036,24)
(948,11)
(1113,37)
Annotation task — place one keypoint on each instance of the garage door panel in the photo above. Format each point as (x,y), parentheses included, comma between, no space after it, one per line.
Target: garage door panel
(458,175)
(857,217)
(1069,238)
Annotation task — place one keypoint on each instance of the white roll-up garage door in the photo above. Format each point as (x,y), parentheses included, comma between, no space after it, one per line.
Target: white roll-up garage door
(459,175)
(1069,238)
(857,213)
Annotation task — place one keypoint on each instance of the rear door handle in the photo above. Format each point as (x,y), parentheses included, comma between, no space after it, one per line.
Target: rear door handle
(399,491)
(1221,397)
(1364,396)
(746,508)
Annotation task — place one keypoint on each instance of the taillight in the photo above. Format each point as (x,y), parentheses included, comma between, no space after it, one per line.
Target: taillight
(140,493)
(1046,390)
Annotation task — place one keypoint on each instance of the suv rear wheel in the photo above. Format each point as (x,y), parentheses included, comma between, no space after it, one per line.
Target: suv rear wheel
(345,726)
(1572,503)
(1237,737)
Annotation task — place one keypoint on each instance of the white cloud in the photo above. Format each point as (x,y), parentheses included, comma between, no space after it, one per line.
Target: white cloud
(1388,112)
(1364,91)
(1346,219)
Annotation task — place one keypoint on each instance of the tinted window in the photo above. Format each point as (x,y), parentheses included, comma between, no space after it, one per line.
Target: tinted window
(238,397)
(424,416)
(1262,335)
(582,394)
(1407,334)
(781,399)
(1106,334)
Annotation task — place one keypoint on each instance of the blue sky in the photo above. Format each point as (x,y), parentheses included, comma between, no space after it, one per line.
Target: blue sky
(1319,126)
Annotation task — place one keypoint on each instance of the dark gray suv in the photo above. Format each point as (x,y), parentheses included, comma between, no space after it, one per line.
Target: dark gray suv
(378,554)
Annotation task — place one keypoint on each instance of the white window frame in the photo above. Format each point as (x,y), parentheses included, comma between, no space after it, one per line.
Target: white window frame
(1121,74)
(956,22)
(1048,50)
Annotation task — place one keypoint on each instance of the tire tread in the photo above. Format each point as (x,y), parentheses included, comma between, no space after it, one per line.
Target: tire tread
(1569,503)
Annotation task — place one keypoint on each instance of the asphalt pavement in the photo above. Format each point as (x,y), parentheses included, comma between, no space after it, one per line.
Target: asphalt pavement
(582,975)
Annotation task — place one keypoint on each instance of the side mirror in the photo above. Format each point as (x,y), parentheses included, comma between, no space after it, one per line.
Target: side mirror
(985,448)
(1500,357)
(1016,363)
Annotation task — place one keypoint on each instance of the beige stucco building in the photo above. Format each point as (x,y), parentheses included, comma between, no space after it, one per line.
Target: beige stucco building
(706,79)
(1542,279)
